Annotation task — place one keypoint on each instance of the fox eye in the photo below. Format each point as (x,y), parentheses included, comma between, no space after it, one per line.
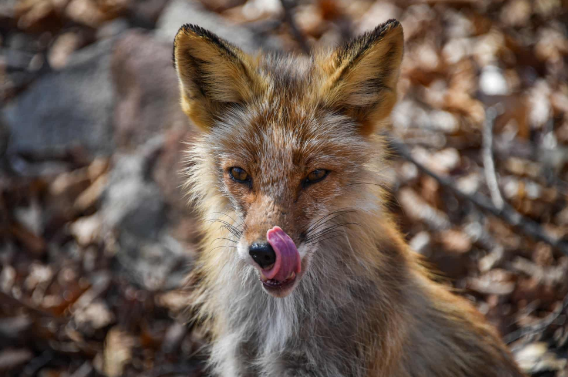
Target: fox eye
(316,176)
(239,175)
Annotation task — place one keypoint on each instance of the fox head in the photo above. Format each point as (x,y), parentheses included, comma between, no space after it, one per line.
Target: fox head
(287,158)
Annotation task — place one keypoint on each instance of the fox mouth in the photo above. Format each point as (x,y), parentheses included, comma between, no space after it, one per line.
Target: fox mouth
(279,279)
(275,286)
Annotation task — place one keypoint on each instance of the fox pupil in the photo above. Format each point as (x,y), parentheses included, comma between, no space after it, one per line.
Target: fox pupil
(239,175)
(315,176)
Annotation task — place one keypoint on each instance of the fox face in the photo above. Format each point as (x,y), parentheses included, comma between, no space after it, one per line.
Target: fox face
(287,149)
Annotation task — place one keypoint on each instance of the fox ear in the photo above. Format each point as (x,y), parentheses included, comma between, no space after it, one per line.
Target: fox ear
(214,75)
(362,75)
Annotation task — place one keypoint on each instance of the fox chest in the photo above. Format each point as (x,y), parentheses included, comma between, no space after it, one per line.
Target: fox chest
(285,350)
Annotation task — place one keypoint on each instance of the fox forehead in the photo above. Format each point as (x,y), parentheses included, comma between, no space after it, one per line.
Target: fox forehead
(290,76)
(286,122)
(287,134)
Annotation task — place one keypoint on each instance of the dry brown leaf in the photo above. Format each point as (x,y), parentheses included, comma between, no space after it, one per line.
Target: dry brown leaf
(11,358)
(494,282)
(418,209)
(455,241)
(117,352)
(535,357)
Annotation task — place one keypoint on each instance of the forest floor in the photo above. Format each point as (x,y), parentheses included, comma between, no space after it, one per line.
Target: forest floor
(96,236)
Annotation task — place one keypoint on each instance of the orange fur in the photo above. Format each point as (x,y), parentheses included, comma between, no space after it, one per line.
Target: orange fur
(363,305)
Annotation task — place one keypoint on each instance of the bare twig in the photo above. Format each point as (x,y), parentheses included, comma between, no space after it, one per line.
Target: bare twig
(507,213)
(21,303)
(174,369)
(548,275)
(539,326)
(101,283)
(84,370)
(487,153)
(476,229)
(288,6)
(37,363)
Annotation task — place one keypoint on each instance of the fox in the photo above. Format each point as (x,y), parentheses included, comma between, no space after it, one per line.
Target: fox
(302,269)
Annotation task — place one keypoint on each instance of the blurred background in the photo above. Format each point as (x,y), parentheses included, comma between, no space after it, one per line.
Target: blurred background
(96,236)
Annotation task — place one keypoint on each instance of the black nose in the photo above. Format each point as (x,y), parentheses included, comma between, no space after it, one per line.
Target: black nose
(263,254)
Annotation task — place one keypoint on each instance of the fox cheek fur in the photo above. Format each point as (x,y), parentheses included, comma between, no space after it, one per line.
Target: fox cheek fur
(286,176)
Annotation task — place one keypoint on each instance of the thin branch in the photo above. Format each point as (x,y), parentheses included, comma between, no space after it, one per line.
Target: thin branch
(507,213)
(174,369)
(487,153)
(539,326)
(22,303)
(288,6)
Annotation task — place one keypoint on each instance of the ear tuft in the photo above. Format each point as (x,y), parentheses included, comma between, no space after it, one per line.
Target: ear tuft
(213,74)
(358,46)
(362,75)
(198,31)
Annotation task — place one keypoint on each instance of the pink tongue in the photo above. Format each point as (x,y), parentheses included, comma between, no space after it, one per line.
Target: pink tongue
(287,256)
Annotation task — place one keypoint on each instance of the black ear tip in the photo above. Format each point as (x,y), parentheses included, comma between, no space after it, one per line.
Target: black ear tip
(191,29)
(188,29)
(392,23)
(389,25)
(195,30)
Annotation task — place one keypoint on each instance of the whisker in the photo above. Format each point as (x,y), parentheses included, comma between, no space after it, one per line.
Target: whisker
(326,219)
(233,231)
(218,247)
(325,239)
(231,228)
(225,214)
(328,215)
(322,226)
(366,183)
(224,238)
(234,221)
(329,229)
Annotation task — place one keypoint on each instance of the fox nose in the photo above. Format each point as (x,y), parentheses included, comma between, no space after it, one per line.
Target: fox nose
(262,254)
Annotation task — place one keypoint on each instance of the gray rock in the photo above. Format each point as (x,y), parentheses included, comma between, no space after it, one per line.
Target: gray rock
(179,12)
(134,210)
(145,13)
(4,137)
(147,92)
(131,202)
(112,28)
(68,107)
(160,264)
